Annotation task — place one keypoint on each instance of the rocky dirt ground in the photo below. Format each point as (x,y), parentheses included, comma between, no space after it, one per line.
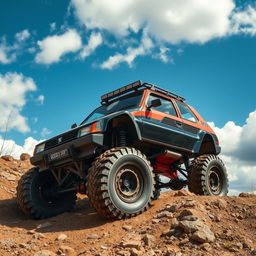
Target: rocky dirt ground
(179,223)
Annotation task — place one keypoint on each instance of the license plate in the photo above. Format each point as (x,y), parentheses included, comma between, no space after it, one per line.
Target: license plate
(58,155)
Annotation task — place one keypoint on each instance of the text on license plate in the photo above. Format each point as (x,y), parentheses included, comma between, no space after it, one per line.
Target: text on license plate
(58,155)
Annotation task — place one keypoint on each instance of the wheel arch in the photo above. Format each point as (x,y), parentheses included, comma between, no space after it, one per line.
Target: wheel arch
(125,121)
(208,145)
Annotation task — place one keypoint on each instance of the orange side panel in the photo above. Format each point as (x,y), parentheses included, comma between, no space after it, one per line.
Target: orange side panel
(159,116)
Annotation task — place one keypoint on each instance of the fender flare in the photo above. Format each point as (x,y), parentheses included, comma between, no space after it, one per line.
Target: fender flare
(203,136)
(127,115)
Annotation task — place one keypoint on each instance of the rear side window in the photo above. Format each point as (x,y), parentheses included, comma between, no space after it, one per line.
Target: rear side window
(166,106)
(185,112)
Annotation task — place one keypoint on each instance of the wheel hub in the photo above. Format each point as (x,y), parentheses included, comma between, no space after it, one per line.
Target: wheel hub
(215,181)
(128,183)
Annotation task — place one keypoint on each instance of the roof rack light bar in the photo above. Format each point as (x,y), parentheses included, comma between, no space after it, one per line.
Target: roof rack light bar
(135,86)
(130,87)
(159,89)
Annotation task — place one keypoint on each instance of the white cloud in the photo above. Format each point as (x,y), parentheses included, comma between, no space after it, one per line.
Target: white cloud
(228,143)
(163,55)
(23,35)
(244,21)
(54,47)
(131,54)
(172,21)
(9,52)
(9,147)
(94,41)
(239,152)
(3,55)
(40,99)
(166,22)
(6,53)
(14,88)
(45,132)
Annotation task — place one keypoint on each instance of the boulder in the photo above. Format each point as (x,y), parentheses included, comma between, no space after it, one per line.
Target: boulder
(7,158)
(24,157)
(220,203)
(62,237)
(67,250)
(92,236)
(132,241)
(191,226)
(149,239)
(127,228)
(8,176)
(203,235)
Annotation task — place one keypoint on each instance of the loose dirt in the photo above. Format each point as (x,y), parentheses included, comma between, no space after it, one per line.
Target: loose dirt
(179,223)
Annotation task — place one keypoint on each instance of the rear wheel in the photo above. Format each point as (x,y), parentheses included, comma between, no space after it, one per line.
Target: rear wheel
(208,176)
(38,195)
(120,183)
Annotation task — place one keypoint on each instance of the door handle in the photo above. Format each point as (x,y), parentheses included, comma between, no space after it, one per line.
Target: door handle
(179,124)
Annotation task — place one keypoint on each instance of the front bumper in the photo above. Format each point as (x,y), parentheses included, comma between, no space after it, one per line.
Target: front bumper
(80,148)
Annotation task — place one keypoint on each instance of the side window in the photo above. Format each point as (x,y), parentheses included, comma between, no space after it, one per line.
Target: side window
(166,106)
(185,112)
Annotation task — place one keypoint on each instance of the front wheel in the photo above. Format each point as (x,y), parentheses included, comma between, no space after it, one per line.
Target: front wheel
(38,195)
(121,183)
(208,176)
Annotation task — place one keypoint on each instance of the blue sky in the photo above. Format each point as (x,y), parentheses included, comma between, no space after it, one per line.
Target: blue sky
(58,57)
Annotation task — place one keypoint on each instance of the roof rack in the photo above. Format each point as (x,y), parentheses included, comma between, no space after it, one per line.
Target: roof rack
(134,87)
(164,91)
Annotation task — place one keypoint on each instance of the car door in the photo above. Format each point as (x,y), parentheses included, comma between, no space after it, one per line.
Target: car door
(162,125)
(188,122)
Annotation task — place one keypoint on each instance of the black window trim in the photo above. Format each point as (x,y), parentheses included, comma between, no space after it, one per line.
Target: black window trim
(165,98)
(195,122)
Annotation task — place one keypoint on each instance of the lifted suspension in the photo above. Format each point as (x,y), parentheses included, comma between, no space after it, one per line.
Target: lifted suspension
(168,164)
(174,184)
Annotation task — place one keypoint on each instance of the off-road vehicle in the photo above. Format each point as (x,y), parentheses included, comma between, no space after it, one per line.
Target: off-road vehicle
(117,154)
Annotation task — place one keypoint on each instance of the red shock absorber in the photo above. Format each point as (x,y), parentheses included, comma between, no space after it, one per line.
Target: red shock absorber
(163,163)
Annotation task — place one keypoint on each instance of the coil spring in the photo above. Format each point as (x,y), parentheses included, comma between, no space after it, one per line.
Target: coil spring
(122,138)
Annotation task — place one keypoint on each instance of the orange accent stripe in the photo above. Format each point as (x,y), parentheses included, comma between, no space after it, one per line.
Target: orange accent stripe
(159,116)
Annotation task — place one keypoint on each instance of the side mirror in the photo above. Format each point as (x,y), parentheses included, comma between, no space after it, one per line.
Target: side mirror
(155,103)
(73,126)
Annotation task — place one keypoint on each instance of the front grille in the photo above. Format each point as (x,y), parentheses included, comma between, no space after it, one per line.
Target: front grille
(61,139)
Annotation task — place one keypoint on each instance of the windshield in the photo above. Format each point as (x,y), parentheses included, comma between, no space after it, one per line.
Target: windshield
(114,107)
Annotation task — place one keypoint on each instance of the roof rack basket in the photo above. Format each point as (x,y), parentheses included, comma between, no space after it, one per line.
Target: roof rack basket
(134,87)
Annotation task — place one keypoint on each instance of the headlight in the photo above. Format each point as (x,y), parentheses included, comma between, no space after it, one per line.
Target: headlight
(94,127)
(85,130)
(39,148)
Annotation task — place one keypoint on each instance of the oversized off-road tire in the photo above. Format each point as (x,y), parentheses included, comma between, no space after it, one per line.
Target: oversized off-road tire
(121,183)
(208,176)
(37,197)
